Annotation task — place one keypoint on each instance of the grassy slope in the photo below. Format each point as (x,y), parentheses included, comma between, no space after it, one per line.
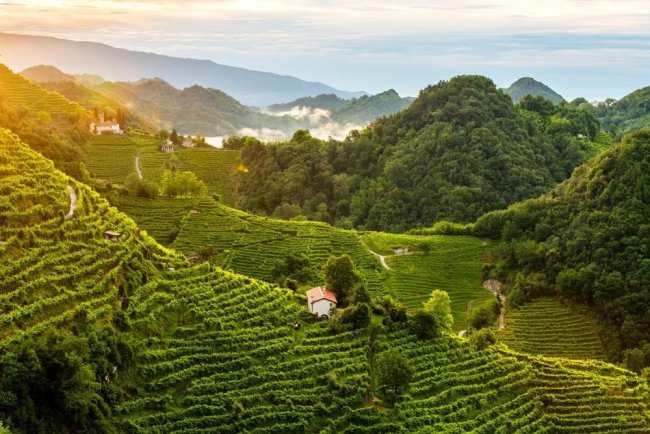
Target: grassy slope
(216,352)
(546,327)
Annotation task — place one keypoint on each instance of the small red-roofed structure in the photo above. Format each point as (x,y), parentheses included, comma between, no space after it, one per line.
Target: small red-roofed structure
(320,301)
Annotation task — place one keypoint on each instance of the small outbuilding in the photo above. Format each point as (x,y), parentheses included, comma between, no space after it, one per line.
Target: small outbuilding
(320,301)
(167,147)
(112,236)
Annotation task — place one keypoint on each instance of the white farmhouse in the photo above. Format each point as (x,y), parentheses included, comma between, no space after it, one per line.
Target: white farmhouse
(320,301)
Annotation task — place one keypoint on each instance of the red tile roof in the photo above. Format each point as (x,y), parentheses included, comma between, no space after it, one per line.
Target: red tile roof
(320,293)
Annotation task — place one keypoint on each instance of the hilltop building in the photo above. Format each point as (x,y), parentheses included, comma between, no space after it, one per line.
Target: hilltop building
(320,301)
(187,142)
(104,126)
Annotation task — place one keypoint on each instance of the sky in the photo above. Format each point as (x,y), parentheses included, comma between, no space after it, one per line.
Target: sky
(590,48)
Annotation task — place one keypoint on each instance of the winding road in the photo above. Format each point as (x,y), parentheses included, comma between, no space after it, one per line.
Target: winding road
(137,166)
(73,203)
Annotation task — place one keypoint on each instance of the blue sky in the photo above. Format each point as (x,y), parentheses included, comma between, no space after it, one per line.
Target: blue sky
(589,48)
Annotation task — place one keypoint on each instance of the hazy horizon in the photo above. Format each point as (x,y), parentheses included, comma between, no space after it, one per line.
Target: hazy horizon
(579,48)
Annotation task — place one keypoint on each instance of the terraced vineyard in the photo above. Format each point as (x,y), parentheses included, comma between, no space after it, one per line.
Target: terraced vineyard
(452,264)
(545,326)
(21,92)
(217,352)
(162,217)
(57,267)
(214,167)
(250,245)
(110,157)
(236,364)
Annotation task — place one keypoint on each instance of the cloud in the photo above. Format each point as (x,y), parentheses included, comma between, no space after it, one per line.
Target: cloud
(367,45)
(263,133)
(313,116)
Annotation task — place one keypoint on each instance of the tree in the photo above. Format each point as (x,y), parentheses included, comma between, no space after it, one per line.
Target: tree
(340,276)
(482,339)
(173,136)
(182,184)
(393,374)
(485,315)
(423,324)
(357,317)
(439,306)
(163,134)
(360,294)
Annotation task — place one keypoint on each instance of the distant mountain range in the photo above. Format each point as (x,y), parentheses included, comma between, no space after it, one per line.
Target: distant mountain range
(117,64)
(154,103)
(529,86)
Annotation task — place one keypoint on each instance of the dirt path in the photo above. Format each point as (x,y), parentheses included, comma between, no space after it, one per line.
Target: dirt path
(73,203)
(382,259)
(494,286)
(137,166)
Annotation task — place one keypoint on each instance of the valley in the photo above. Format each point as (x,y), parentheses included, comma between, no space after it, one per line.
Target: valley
(147,291)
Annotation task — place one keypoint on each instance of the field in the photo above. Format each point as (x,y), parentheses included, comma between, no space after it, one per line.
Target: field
(217,352)
(452,264)
(110,157)
(544,326)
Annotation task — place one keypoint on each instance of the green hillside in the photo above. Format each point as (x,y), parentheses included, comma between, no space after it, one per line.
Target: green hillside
(251,245)
(529,86)
(587,241)
(113,158)
(325,101)
(365,109)
(50,123)
(460,149)
(44,73)
(450,263)
(357,111)
(630,113)
(163,347)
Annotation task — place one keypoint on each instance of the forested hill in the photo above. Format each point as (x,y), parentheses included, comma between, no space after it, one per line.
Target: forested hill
(529,86)
(589,240)
(459,150)
(630,113)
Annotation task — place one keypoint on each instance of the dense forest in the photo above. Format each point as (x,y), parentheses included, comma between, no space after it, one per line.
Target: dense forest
(459,150)
(588,241)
